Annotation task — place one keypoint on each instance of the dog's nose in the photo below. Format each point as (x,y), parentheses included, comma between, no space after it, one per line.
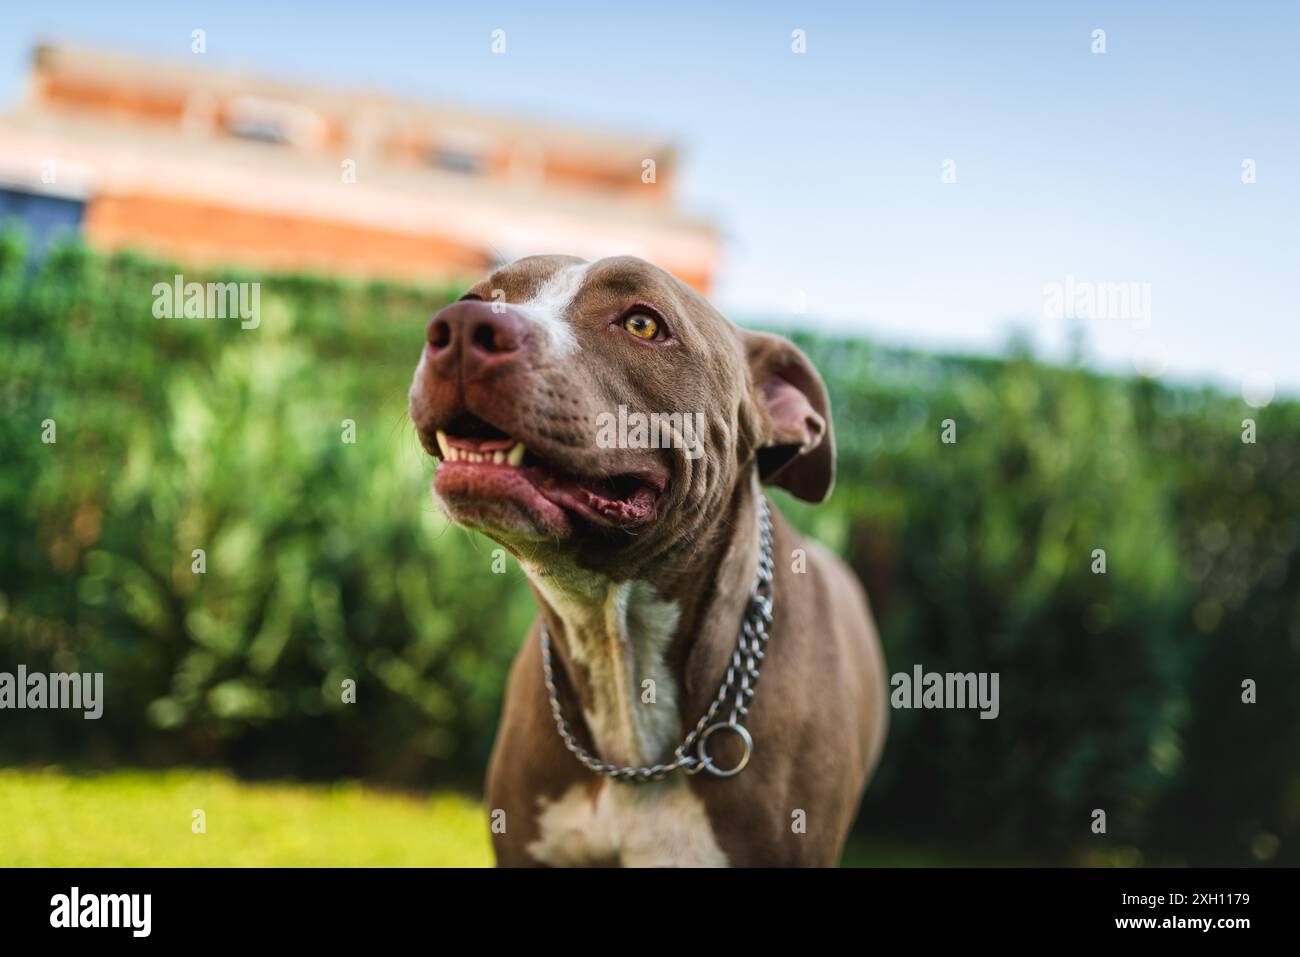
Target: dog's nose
(475,337)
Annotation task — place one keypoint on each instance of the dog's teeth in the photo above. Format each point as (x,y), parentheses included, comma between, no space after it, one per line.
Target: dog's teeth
(516,456)
(498,458)
(442,444)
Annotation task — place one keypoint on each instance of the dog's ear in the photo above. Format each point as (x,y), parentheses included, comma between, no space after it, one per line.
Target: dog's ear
(796,449)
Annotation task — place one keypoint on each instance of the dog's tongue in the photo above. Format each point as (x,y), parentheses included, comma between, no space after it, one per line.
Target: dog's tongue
(601,496)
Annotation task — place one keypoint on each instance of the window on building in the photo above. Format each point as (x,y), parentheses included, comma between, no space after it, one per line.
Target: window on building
(459,150)
(273,121)
(456,161)
(45,219)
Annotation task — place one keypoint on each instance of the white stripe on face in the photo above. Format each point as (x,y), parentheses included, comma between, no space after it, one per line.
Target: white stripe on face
(547,308)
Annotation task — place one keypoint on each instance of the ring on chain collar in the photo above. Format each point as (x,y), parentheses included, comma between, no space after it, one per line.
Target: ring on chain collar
(706,762)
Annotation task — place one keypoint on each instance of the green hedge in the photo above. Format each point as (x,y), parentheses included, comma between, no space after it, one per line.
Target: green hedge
(327,561)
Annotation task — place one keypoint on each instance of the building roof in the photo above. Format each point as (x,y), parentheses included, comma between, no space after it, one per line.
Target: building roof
(130,136)
(185,79)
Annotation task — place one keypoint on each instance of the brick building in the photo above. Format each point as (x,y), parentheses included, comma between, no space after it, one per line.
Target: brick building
(210,166)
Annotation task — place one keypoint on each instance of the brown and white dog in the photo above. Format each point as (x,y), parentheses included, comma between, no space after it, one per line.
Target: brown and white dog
(642,560)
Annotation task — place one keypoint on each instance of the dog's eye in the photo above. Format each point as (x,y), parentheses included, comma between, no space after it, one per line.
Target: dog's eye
(641,325)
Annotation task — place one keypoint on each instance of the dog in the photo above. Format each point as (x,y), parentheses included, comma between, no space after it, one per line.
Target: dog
(635,731)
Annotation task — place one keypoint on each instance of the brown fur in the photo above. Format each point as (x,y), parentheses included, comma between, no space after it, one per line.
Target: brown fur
(818,720)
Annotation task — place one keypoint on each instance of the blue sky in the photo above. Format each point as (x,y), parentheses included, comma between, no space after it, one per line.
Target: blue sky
(823,169)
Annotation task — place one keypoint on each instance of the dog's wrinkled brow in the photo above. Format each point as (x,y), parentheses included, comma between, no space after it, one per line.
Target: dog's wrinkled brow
(618,282)
(621,284)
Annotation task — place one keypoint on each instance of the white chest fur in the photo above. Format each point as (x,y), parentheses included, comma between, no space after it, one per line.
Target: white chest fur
(634,825)
(619,634)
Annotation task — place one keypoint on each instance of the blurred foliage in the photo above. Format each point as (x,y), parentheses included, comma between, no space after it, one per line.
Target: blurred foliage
(327,561)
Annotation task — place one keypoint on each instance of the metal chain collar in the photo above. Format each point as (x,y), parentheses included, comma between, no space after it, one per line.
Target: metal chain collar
(737,687)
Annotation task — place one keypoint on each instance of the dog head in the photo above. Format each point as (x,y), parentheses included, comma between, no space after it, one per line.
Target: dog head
(590,408)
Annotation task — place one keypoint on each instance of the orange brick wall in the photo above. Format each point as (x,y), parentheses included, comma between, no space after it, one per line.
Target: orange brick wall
(135,103)
(122,102)
(204,234)
(207,234)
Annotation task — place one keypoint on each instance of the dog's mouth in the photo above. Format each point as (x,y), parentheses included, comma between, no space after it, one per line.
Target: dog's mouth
(479,462)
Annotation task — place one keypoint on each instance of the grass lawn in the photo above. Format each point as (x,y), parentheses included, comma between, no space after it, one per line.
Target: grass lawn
(137,819)
(54,818)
